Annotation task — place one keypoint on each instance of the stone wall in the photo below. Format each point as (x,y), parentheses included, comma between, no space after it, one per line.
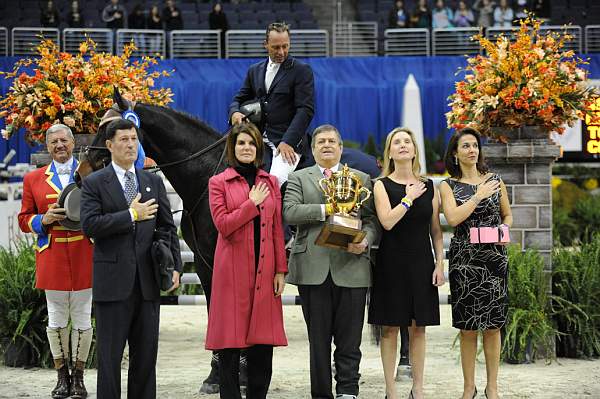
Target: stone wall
(525,166)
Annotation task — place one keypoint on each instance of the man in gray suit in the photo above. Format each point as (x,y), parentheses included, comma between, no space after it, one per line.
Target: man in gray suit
(332,282)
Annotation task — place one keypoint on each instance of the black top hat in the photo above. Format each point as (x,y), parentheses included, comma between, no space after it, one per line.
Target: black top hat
(70,199)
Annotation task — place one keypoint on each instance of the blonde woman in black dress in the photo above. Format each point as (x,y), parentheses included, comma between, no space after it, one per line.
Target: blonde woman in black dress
(474,197)
(406,276)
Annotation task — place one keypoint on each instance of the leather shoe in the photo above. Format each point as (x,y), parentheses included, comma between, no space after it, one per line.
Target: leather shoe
(63,383)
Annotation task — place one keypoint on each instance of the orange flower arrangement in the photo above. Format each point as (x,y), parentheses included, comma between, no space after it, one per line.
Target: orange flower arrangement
(74,89)
(530,82)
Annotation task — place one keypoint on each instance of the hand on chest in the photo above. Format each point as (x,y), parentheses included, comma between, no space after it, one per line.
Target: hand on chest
(238,192)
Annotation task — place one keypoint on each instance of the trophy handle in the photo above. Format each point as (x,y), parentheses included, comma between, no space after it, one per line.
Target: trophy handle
(367,196)
(325,187)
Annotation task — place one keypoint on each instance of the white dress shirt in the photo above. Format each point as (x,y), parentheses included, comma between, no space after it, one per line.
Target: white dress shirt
(272,68)
(121,176)
(64,178)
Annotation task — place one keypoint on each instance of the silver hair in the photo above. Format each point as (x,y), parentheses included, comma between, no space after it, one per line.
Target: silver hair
(55,128)
(323,129)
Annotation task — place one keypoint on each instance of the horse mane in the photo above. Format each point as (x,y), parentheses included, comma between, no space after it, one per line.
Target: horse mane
(188,118)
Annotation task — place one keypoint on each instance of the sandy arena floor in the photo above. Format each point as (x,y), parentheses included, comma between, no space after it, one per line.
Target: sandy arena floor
(183,364)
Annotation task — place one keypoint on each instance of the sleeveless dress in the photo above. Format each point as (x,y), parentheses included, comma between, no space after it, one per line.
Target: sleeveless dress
(478,273)
(402,288)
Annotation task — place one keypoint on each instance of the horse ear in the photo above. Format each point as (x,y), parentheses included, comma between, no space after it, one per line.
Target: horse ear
(118,99)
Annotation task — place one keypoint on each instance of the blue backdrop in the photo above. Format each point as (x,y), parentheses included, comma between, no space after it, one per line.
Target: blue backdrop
(360,96)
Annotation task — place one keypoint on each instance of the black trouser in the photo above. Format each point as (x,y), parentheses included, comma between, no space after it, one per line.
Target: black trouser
(135,321)
(260,368)
(338,312)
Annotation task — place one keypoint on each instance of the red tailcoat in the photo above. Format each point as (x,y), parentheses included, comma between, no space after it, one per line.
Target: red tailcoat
(63,257)
(243,308)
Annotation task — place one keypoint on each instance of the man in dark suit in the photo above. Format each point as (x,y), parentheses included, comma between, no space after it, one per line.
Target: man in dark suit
(285,88)
(121,208)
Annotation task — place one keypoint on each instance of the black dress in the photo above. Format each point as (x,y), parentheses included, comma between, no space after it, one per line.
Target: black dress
(478,272)
(402,276)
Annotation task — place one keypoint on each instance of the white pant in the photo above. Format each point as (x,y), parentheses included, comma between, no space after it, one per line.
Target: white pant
(279,167)
(77,304)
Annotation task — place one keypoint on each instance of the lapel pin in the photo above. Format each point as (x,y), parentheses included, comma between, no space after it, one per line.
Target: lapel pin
(148,189)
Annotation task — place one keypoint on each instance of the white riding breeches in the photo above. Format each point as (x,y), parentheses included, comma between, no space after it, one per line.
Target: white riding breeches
(76,304)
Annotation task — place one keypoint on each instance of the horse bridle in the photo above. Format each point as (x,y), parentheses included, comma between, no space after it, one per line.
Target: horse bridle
(87,149)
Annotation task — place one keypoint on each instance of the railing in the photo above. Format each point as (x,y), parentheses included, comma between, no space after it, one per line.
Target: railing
(349,39)
(25,40)
(454,41)
(309,43)
(195,44)
(3,41)
(592,39)
(407,42)
(354,38)
(575,43)
(149,42)
(492,33)
(244,43)
(102,37)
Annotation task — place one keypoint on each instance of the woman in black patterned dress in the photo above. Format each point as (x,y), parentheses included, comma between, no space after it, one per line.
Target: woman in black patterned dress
(406,276)
(478,273)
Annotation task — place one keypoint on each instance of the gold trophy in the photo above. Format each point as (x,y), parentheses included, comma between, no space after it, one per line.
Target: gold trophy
(342,190)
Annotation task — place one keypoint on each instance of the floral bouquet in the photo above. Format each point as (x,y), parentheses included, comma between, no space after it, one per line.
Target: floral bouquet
(530,82)
(74,89)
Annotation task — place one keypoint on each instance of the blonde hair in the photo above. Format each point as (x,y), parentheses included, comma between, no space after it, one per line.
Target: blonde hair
(388,163)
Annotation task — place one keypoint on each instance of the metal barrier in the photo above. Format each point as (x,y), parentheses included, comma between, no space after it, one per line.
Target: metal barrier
(149,42)
(493,32)
(309,43)
(455,41)
(354,38)
(25,40)
(407,42)
(103,38)
(192,278)
(574,44)
(3,41)
(195,44)
(244,43)
(444,299)
(592,39)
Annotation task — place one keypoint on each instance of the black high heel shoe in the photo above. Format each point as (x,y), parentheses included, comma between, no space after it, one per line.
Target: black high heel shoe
(411,396)
(475,393)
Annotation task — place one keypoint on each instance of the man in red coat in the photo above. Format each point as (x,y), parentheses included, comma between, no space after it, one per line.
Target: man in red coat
(63,262)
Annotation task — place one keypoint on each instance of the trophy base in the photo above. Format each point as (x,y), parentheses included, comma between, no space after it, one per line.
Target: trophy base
(339,231)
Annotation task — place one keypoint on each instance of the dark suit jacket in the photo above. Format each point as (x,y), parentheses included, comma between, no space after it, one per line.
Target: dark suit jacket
(288,107)
(122,248)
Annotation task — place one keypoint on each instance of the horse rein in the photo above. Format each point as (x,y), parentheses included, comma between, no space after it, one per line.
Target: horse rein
(153,169)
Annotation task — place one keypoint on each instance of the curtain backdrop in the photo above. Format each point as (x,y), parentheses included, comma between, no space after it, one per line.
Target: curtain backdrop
(359,95)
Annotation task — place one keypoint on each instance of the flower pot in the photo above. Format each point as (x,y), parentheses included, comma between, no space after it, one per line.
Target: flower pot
(523,133)
(42,157)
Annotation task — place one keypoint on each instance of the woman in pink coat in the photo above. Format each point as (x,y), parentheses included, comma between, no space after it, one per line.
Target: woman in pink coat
(250,264)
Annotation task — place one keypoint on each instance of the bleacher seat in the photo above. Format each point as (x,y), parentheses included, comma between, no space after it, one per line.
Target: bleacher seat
(368,16)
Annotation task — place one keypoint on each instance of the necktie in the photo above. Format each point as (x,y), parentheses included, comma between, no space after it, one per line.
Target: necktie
(327,173)
(64,170)
(130,187)
(269,75)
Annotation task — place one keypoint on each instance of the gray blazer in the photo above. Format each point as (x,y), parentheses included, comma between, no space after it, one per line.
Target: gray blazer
(309,264)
